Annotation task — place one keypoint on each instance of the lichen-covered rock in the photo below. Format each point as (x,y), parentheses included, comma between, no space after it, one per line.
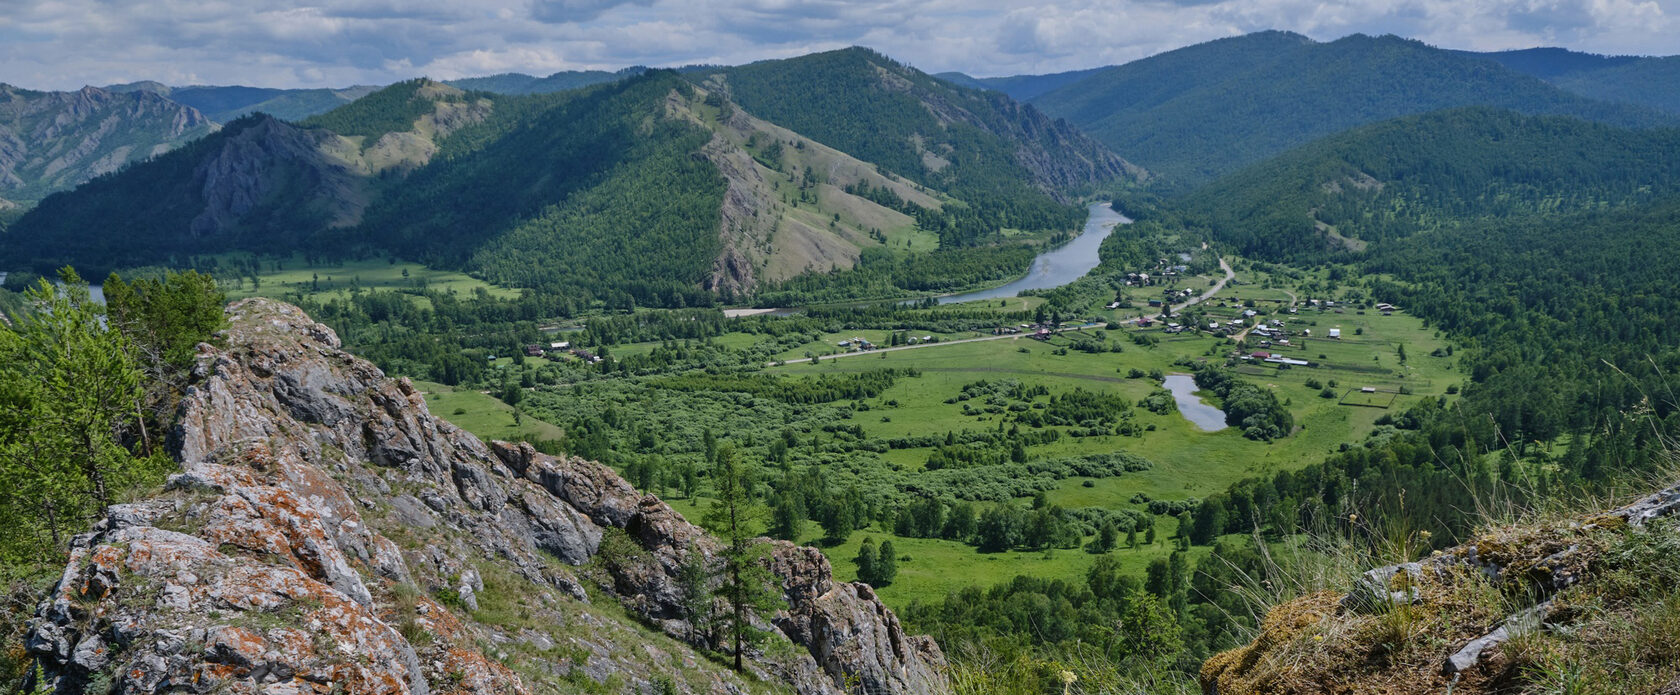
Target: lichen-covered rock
(322,519)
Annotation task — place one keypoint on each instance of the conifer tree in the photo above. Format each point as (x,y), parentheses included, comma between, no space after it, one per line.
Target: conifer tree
(746,585)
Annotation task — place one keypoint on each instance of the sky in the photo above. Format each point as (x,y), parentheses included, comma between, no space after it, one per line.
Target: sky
(64,44)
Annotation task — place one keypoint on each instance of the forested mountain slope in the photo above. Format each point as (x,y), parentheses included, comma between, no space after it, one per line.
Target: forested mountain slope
(260,185)
(1009,162)
(53,141)
(1195,113)
(1438,170)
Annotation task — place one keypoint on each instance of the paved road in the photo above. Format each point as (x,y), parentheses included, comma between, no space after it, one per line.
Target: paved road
(1176,307)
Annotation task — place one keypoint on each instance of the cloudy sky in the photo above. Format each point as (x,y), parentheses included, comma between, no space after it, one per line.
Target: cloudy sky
(61,44)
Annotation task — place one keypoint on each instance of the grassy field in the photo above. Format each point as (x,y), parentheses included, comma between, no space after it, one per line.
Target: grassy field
(1398,356)
(935,568)
(327,281)
(486,417)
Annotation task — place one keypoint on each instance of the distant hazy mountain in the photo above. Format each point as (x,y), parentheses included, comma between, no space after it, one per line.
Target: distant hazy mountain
(1197,112)
(1019,87)
(519,83)
(223,104)
(259,184)
(52,141)
(1391,179)
(1647,81)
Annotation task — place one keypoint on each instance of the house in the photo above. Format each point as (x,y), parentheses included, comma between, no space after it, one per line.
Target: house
(1250,313)
(1154,302)
(844,343)
(560,345)
(1145,322)
(1213,325)
(1367,389)
(533,351)
(1306,332)
(1335,333)
(1114,305)
(1042,334)
(1260,355)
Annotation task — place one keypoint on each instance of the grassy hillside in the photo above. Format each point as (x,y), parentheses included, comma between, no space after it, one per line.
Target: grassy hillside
(1202,111)
(1442,169)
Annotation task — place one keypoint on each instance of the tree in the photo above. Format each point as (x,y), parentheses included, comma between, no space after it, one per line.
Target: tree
(1106,539)
(70,391)
(694,580)
(1131,538)
(1210,522)
(787,517)
(1149,534)
(866,560)
(747,584)
(886,565)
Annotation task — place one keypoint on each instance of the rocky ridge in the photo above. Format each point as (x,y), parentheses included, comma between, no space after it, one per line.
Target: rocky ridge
(327,534)
(53,141)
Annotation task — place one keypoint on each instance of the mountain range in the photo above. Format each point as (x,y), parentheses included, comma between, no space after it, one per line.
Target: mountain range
(52,141)
(1195,113)
(787,168)
(686,186)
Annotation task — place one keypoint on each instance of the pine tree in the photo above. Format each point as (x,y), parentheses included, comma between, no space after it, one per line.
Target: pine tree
(866,560)
(886,565)
(787,519)
(747,584)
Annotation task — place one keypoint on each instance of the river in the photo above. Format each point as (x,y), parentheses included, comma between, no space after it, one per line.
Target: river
(1061,265)
(1205,417)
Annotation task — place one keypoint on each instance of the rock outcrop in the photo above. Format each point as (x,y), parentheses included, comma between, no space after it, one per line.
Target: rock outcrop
(1442,623)
(327,534)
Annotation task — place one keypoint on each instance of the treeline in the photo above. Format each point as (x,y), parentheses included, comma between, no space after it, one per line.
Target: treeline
(880,273)
(825,388)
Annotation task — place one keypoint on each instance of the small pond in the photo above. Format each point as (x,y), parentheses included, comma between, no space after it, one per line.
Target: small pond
(1205,417)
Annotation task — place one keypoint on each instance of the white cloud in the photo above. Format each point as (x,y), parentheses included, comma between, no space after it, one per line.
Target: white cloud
(63,44)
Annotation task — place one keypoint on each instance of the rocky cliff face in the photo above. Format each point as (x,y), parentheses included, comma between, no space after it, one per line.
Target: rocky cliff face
(53,141)
(327,534)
